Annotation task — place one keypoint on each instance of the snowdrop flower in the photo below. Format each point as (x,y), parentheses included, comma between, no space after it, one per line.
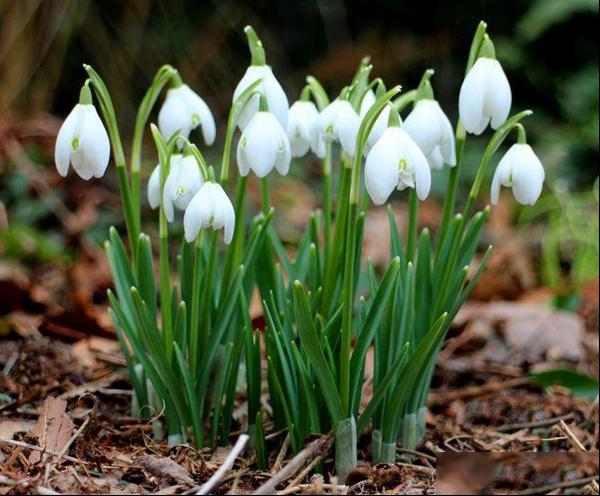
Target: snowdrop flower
(182,111)
(380,124)
(337,122)
(522,170)
(430,129)
(210,207)
(395,161)
(301,120)
(264,145)
(269,87)
(182,183)
(82,141)
(485,93)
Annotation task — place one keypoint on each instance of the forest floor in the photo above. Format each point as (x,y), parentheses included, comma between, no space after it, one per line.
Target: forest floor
(65,424)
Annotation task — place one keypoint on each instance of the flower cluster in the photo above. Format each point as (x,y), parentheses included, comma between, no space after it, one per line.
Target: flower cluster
(179,337)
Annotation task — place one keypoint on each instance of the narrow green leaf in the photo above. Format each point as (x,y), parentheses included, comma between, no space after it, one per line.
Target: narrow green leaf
(310,341)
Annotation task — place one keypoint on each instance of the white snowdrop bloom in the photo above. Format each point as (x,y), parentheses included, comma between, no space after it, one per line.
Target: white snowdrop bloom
(395,161)
(521,169)
(381,123)
(338,122)
(182,111)
(182,183)
(210,207)
(264,145)
(277,101)
(301,121)
(83,142)
(430,129)
(484,96)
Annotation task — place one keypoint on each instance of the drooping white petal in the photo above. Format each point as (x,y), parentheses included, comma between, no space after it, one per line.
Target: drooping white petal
(174,116)
(198,212)
(435,159)
(91,156)
(348,124)
(184,110)
(263,146)
(277,101)
(471,99)
(154,188)
(485,95)
(64,141)
(337,122)
(381,168)
(420,169)
(200,114)
(430,129)
(528,175)
(521,169)
(499,95)
(301,120)
(209,208)
(226,214)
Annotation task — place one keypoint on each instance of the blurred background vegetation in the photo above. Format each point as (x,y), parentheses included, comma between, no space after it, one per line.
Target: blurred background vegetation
(548,48)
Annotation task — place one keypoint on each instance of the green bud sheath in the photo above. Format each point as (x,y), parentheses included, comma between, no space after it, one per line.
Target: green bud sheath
(257,50)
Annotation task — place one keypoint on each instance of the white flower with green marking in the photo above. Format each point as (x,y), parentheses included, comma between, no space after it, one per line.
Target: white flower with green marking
(209,208)
(338,122)
(82,142)
(485,96)
(396,162)
(182,111)
(263,146)
(269,87)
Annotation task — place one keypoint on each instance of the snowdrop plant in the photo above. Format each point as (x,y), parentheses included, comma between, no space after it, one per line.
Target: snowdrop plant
(181,334)
(185,333)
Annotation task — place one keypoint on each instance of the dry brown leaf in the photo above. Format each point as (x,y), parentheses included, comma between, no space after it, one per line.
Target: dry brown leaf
(53,428)
(527,329)
(9,427)
(165,467)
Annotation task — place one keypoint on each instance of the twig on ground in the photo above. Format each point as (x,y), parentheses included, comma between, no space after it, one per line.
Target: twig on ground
(227,464)
(572,437)
(316,446)
(533,425)
(559,485)
(304,473)
(281,455)
(475,391)
(46,451)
